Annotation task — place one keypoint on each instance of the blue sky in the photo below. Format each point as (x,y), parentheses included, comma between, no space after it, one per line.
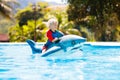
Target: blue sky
(57,1)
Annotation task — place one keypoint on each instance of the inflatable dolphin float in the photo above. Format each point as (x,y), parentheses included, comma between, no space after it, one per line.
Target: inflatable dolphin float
(65,42)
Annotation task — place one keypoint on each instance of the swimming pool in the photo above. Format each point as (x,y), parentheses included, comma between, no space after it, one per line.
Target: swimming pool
(93,61)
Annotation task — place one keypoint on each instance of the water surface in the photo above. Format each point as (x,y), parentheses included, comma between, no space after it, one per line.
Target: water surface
(90,62)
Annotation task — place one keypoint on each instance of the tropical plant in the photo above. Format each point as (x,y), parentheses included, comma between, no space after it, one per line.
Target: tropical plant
(26,14)
(21,34)
(95,15)
(29,22)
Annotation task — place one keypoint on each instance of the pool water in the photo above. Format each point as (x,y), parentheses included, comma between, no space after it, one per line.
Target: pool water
(92,61)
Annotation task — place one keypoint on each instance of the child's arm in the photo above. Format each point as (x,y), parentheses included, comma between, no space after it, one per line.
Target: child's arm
(50,37)
(56,40)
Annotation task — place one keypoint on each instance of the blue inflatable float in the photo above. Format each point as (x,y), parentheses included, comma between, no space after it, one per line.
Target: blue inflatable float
(65,42)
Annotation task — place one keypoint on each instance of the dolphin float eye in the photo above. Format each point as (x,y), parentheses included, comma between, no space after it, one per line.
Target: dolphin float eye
(73,42)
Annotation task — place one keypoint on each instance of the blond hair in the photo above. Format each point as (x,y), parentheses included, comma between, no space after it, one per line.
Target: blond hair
(52,21)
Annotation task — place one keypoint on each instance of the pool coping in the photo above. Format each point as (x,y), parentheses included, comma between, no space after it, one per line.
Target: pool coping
(102,43)
(85,43)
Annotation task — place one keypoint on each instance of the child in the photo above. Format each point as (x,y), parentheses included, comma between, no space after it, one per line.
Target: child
(53,34)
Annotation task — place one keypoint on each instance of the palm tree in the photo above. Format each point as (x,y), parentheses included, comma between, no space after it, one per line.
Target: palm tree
(7,7)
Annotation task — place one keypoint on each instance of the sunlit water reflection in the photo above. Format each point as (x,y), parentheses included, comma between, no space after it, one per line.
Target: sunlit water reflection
(87,63)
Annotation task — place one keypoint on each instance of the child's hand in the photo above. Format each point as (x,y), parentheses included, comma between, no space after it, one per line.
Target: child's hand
(56,40)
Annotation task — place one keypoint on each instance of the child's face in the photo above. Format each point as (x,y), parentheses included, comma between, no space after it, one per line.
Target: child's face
(53,26)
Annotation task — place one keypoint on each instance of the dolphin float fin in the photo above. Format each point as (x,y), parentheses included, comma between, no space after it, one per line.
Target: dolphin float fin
(32,45)
(63,47)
